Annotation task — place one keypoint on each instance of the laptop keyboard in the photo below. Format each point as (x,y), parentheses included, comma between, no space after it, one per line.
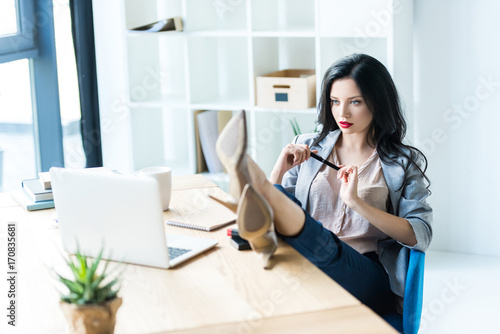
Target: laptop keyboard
(175,252)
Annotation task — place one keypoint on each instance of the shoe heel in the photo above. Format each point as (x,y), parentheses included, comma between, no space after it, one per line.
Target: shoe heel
(255,224)
(265,246)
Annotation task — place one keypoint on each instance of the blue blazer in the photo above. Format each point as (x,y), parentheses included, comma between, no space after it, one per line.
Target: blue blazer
(407,192)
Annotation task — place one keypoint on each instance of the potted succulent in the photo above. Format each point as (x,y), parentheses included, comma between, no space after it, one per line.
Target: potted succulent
(92,302)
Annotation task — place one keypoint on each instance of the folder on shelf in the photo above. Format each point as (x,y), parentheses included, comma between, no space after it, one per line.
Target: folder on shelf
(208,125)
(173,23)
(201,164)
(208,129)
(207,219)
(223,117)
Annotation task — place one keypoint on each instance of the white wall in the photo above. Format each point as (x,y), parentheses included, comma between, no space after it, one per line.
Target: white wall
(457,119)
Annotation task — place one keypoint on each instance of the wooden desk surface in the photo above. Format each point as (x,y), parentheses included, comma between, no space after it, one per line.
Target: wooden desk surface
(221,291)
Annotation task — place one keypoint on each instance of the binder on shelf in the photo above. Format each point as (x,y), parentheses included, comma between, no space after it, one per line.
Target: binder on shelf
(208,129)
(208,125)
(173,23)
(207,219)
(223,117)
(201,164)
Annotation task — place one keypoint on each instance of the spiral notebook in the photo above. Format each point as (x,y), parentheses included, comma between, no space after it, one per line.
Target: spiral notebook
(207,219)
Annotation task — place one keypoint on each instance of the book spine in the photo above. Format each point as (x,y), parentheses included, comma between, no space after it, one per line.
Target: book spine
(39,197)
(40,205)
(20,197)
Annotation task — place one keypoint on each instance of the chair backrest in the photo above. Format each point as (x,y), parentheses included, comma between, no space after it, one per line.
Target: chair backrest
(414,292)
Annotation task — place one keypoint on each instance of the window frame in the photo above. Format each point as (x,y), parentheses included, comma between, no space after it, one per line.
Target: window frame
(21,44)
(35,41)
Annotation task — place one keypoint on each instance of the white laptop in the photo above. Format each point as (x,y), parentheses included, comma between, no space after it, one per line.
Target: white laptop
(121,213)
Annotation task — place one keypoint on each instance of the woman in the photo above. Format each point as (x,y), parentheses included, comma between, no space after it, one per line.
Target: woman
(357,224)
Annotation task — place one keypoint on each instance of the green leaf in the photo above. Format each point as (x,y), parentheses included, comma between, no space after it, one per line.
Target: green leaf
(110,284)
(74,269)
(90,273)
(88,294)
(70,264)
(71,298)
(105,269)
(94,285)
(105,294)
(293,127)
(112,295)
(82,260)
(81,302)
(115,272)
(72,286)
(85,289)
(100,296)
(297,126)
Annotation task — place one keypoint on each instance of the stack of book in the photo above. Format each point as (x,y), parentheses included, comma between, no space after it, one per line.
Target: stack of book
(36,194)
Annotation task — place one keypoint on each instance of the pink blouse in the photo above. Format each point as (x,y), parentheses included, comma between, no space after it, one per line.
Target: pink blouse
(326,206)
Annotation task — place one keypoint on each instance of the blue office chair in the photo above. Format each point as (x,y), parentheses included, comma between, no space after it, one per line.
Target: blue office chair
(409,323)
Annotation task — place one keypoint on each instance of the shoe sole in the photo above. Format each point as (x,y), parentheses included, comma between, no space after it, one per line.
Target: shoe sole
(231,149)
(255,216)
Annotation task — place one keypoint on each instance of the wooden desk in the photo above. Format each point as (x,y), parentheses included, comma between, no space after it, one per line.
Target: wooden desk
(221,291)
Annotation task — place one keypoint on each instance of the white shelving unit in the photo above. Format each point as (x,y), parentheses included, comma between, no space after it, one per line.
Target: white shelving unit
(150,84)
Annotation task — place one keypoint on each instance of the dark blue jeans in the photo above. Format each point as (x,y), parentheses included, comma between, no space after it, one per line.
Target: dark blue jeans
(362,275)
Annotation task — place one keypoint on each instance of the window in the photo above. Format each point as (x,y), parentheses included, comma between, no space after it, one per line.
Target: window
(8,25)
(17,29)
(31,134)
(17,140)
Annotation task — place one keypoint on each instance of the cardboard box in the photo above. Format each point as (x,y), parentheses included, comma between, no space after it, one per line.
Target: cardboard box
(290,89)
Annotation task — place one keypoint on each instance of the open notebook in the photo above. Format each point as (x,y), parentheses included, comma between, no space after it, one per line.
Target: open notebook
(206,219)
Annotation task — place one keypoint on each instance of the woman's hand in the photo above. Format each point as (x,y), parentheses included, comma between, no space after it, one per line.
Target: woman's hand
(395,227)
(292,155)
(349,187)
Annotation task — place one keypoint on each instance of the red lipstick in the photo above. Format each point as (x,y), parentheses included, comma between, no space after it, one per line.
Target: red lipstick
(345,125)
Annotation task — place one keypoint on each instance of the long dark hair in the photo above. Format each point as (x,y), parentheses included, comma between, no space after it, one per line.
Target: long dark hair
(388,127)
